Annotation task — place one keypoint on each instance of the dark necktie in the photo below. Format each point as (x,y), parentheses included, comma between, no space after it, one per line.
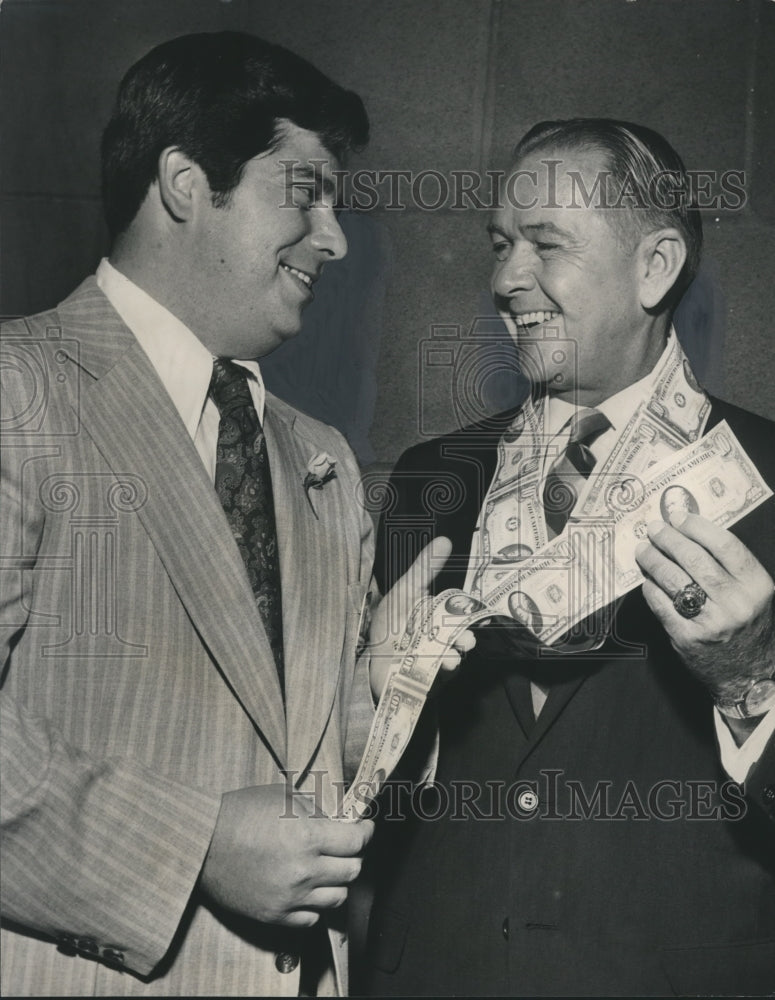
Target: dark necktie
(570,470)
(244,487)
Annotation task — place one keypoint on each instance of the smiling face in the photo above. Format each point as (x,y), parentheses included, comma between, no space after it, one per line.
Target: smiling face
(252,264)
(565,283)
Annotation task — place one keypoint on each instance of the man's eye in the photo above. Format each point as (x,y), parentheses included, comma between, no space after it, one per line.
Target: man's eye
(305,196)
(545,247)
(501,249)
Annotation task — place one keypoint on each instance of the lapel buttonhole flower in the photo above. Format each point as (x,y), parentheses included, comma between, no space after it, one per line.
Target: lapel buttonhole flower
(320,470)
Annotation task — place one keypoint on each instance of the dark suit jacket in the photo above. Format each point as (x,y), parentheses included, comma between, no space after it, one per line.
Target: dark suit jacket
(633,866)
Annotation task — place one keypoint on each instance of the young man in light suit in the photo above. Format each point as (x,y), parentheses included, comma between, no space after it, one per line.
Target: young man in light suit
(171,687)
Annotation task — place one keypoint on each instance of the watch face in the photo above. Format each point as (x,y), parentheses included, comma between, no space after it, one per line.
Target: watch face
(761,697)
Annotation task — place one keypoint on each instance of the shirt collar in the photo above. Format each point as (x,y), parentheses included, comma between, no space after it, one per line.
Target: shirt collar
(181,360)
(618,408)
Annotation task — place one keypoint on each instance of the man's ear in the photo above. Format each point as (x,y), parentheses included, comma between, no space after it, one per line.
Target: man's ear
(180,181)
(662,255)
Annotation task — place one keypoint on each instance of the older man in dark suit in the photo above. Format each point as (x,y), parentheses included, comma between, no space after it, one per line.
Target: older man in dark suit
(602,816)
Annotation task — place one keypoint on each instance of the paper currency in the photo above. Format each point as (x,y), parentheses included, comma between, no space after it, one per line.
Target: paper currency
(713,478)
(513,529)
(433,626)
(673,416)
(574,576)
(593,562)
(643,444)
(677,400)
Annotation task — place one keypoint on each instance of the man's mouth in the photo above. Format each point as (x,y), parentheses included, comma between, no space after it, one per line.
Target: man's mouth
(307,280)
(529,320)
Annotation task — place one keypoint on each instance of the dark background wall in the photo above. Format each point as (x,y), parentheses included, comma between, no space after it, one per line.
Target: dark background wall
(449,85)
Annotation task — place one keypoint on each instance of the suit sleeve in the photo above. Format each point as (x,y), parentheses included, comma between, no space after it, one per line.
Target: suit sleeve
(760,783)
(100,854)
(757,532)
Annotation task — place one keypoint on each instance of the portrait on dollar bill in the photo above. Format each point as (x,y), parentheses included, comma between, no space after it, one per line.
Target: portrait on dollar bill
(675,499)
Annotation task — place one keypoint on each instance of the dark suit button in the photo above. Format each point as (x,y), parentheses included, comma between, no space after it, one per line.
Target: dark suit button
(88,946)
(768,794)
(285,962)
(113,955)
(505,928)
(67,944)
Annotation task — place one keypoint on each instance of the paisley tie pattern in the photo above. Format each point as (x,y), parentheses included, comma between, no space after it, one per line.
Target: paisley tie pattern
(244,486)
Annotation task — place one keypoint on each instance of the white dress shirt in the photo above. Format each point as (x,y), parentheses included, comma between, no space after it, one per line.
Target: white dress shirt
(181,360)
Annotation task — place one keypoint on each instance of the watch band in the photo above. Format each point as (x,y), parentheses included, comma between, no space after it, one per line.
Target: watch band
(757,700)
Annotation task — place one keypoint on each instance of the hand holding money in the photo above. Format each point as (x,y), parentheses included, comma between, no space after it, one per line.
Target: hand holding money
(599,558)
(732,638)
(391,619)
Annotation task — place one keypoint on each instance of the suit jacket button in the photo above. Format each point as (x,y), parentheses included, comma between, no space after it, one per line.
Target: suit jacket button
(88,946)
(527,801)
(768,794)
(285,962)
(505,928)
(113,956)
(67,944)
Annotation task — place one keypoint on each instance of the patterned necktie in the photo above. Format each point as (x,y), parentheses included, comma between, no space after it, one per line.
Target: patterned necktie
(569,471)
(244,486)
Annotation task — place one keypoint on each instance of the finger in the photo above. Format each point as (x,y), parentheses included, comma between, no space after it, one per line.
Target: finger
(661,570)
(692,557)
(300,918)
(465,642)
(326,898)
(676,626)
(416,582)
(340,839)
(330,871)
(450,661)
(726,549)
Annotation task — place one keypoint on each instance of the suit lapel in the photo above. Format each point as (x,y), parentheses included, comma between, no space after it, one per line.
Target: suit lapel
(135,426)
(518,692)
(560,694)
(314,582)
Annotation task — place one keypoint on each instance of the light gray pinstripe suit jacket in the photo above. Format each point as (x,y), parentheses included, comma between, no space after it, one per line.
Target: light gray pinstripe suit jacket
(138,683)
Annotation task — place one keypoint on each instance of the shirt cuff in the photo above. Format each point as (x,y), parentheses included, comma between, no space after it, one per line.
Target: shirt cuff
(736,760)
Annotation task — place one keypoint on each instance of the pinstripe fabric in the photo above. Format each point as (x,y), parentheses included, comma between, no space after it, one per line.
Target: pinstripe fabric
(141,685)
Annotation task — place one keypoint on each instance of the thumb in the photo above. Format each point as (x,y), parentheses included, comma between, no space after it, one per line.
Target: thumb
(417,580)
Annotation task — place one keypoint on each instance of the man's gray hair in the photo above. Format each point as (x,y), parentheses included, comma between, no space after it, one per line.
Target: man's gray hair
(647,188)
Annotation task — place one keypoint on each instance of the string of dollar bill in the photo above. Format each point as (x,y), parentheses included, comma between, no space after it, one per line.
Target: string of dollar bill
(585,569)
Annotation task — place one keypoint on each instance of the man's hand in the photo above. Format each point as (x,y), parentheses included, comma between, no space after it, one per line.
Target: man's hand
(274,858)
(389,620)
(732,639)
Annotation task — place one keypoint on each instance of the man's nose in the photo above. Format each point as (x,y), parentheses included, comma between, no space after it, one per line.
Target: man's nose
(327,235)
(515,274)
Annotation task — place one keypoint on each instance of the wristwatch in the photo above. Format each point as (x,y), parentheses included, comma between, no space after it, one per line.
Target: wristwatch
(756,700)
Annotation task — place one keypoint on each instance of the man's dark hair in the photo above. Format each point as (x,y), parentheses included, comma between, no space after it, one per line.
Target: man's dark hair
(648,181)
(218,97)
